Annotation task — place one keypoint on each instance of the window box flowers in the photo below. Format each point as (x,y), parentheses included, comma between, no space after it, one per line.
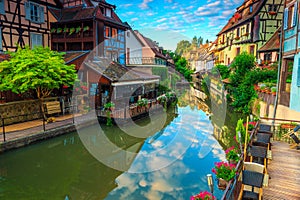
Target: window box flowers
(224,172)
(203,196)
(232,155)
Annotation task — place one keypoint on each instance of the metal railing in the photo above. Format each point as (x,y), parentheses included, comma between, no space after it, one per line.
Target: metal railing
(40,114)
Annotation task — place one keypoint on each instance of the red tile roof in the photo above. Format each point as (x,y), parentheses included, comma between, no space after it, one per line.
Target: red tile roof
(273,43)
(242,14)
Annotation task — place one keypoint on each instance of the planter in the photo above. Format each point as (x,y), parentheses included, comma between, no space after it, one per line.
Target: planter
(222,184)
(272,13)
(233,162)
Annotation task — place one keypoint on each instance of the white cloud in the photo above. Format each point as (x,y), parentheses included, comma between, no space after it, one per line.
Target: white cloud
(145,5)
(161,20)
(134,19)
(125,5)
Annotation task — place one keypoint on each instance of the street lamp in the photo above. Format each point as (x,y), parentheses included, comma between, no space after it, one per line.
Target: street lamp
(210,183)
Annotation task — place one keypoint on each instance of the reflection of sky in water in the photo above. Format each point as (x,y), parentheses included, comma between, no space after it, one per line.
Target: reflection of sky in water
(188,160)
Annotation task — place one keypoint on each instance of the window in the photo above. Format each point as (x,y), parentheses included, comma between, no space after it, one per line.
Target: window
(251,50)
(2,7)
(107,31)
(267,56)
(290,16)
(34,12)
(108,12)
(250,9)
(36,39)
(114,32)
(272,8)
(238,32)
(247,28)
(238,51)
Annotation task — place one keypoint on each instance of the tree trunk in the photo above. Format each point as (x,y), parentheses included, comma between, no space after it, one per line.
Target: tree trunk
(42,109)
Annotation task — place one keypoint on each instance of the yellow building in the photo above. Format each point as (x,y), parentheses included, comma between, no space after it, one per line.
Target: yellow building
(251,26)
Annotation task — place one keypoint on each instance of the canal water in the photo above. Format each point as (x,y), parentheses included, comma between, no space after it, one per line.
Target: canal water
(170,163)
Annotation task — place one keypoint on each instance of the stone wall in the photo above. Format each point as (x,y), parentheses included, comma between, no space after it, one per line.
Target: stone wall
(20,111)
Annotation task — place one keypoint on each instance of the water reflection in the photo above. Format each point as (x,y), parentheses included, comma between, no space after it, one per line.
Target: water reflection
(187,174)
(183,152)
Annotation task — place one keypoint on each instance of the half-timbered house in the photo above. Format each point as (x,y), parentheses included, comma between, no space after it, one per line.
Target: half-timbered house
(25,22)
(87,25)
(253,23)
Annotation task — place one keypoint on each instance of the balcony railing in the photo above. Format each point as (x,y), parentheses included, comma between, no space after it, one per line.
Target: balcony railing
(146,61)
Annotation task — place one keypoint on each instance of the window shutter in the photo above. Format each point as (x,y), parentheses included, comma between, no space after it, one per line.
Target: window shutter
(2,7)
(0,38)
(27,11)
(41,13)
(285,19)
(295,14)
(298,73)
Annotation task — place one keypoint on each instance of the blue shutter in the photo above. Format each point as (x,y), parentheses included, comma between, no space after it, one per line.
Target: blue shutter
(285,18)
(27,11)
(41,13)
(295,14)
(0,38)
(2,7)
(298,73)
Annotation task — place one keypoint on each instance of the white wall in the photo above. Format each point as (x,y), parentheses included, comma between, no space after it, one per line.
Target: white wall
(135,48)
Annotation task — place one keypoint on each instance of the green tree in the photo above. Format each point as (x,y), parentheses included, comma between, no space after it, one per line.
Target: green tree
(195,41)
(200,41)
(182,47)
(39,69)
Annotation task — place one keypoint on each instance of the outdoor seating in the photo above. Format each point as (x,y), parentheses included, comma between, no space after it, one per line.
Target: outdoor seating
(259,154)
(254,180)
(264,127)
(294,137)
(264,138)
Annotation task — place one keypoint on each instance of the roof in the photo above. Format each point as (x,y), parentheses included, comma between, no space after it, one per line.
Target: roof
(273,43)
(151,44)
(116,72)
(76,13)
(72,56)
(242,14)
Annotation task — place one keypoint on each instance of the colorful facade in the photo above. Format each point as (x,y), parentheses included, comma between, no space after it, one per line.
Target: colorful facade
(289,83)
(25,22)
(253,23)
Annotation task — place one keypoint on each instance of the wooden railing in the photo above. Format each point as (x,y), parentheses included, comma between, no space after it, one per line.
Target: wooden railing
(233,188)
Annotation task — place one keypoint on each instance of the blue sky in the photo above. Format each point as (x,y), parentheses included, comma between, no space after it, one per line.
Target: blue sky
(169,21)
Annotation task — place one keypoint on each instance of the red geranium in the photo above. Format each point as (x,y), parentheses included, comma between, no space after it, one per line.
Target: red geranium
(203,196)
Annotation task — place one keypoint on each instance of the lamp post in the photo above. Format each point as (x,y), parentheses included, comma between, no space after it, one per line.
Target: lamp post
(210,183)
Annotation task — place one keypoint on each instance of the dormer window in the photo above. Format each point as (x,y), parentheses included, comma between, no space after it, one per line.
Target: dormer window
(108,12)
(250,9)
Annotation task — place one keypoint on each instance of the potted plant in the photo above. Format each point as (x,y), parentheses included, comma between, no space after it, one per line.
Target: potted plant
(241,129)
(53,30)
(232,155)
(59,30)
(71,31)
(203,196)
(78,29)
(274,90)
(86,28)
(109,106)
(66,30)
(224,172)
